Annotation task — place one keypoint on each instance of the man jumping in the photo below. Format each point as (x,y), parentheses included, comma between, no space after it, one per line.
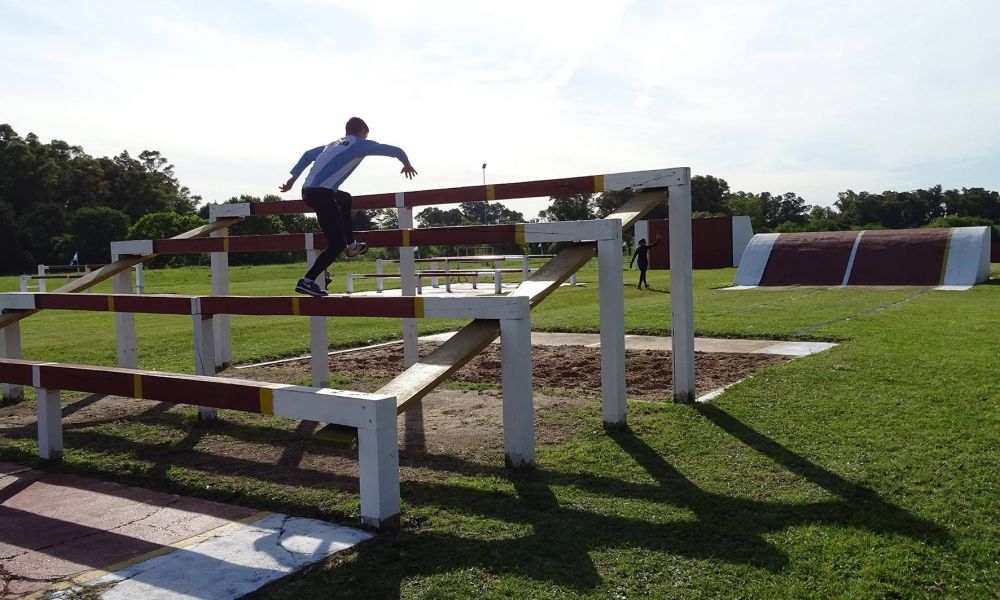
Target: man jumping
(332,164)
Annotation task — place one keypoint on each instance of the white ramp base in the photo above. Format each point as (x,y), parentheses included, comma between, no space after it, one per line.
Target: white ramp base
(229,565)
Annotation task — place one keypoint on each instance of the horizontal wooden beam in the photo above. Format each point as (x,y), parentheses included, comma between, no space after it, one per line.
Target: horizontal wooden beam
(405,307)
(568,186)
(517,233)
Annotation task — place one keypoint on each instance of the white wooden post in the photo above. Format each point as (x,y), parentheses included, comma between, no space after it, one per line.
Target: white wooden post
(41,280)
(612,313)
(128,354)
(220,287)
(681,294)
(434,279)
(50,437)
(518,406)
(350,283)
(378,467)
(10,347)
(319,339)
(204,353)
(140,279)
(24,282)
(379,286)
(408,283)
(524,267)
(497,282)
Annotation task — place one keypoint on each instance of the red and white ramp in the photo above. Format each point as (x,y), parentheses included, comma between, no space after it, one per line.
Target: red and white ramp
(955,258)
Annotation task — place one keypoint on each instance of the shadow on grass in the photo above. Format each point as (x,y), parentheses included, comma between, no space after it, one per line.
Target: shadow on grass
(559,540)
(529,534)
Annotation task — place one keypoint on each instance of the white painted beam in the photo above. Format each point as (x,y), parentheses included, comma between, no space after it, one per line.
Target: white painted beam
(612,315)
(518,401)
(681,292)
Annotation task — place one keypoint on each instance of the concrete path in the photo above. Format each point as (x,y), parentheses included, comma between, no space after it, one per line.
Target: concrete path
(57,531)
(649,342)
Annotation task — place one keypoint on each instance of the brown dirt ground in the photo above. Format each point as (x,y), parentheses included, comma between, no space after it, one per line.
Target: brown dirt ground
(460,420)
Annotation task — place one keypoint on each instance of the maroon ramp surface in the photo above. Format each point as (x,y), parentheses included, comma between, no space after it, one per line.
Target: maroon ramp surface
(813,258)
(901,257)
(54,527)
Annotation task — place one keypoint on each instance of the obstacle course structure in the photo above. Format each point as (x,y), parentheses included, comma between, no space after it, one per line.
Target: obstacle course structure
(505,316)
(955,258)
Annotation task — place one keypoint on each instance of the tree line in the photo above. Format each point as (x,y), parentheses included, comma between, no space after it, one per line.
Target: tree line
(788,212)
(57,201)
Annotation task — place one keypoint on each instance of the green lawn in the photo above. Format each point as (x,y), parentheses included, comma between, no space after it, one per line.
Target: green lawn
(867,471)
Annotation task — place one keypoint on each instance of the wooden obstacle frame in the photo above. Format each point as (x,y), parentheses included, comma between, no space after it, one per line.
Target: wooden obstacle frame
(213,334)
(372,415)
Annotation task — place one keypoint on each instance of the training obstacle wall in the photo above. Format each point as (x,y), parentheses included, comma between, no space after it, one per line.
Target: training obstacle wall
(716,242)
(951,258)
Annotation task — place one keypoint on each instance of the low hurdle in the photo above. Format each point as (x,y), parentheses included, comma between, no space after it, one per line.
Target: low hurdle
(447,275)
(511,314)
(435,273)
(372,415)
(118,271)
(67,272)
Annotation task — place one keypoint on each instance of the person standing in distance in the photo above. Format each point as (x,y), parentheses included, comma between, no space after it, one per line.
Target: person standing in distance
(331,165)
(642,254)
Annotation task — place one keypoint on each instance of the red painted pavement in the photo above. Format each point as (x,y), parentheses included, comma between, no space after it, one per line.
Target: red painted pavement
(54,527)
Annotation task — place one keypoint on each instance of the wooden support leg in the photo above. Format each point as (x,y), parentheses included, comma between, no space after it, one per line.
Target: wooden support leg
(518,405)
(681,295)
(50,437)
(612,312)
(378,466)
(10,347)
(223,323)
(128,353)
(319,348)
(204,358)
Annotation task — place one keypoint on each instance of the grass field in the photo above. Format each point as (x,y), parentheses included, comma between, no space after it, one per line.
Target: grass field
(868,471)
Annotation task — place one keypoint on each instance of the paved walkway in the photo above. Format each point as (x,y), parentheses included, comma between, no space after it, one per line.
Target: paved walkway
(60,530)
(650,342)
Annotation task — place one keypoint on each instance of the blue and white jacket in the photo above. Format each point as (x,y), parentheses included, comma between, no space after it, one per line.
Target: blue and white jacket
(333,163)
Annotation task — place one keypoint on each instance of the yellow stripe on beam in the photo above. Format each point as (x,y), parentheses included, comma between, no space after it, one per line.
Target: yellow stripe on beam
(111,304)
(406,238)
(295,306)
(137,385)
(519,233)
(598,183)
(490,192)
(418,308)
(225,244)
(266,401)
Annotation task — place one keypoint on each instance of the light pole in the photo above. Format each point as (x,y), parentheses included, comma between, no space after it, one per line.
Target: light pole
(486,203)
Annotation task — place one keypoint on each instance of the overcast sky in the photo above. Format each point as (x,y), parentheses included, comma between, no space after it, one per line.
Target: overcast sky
(808,96)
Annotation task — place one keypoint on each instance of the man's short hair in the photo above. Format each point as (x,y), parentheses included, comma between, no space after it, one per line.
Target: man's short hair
(355,126)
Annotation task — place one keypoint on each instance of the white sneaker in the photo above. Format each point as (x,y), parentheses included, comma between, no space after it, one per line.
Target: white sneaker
(356,248)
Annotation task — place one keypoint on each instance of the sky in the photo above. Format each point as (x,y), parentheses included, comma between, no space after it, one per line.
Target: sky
(809,96)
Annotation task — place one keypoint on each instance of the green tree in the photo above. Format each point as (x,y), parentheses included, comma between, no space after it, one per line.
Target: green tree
(708,194)
(163,225)
(578,207)
(433,216)
(93,229)
(748,204)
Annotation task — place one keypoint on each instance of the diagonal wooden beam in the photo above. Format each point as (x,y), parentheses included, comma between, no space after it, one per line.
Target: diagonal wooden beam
(414,383)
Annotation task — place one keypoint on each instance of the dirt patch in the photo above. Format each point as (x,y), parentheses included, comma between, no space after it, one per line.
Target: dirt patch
(455,422)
